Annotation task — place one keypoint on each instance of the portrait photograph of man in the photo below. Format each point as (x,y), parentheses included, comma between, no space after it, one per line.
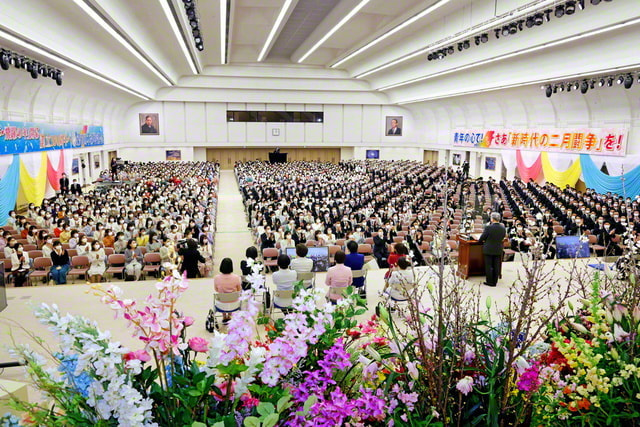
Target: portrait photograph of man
(149,123)
(394,125)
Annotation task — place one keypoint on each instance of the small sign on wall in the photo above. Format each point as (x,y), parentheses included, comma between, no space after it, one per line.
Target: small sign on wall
(96,161)
(275,132)
(490,163)
(456,159)
(373,154)
(173,155)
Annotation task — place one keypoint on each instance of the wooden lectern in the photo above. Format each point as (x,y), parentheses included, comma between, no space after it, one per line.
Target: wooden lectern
(470,257)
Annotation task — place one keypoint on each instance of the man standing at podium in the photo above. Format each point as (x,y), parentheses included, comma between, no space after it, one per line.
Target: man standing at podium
(491,240)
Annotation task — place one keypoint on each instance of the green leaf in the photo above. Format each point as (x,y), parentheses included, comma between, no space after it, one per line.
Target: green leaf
(266,408)
(270,421)
(251,422)
(194,393)
(309,403)
(199,424)
(283,403)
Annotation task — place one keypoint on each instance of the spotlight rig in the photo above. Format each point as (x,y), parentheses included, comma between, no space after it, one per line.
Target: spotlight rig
(33,67)
(584,85)
(192,16)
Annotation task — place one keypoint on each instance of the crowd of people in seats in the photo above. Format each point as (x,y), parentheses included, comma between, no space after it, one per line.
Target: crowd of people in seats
(169,208)
(379,203)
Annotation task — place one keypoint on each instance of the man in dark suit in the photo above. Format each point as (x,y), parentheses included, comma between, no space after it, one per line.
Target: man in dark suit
(148,127)
(395,130)
(492,238)
(64,184)
(76,188)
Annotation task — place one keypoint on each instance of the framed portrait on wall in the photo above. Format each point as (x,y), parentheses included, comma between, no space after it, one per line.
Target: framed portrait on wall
(456,159)
(393,125)
(490,163)
(96,161)
(174,155)
(149,123)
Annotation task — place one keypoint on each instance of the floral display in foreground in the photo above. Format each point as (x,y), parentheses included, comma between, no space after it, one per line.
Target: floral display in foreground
(317,366)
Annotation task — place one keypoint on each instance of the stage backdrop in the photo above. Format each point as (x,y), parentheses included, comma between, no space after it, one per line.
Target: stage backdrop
(26,137)
(605,142)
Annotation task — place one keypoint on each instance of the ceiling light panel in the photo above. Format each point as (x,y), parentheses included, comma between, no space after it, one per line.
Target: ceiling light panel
(276,27)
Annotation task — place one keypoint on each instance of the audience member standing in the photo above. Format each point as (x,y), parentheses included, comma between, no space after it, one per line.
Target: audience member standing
(491,239)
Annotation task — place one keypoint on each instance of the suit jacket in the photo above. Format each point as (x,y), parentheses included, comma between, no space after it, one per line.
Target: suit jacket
(64,184)
(492,238)
(398,131)
(76,189)
(148,129)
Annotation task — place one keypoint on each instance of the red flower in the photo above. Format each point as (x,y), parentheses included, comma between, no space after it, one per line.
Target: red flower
(584,404)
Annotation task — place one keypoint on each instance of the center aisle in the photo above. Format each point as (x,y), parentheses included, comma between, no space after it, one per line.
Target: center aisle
(232,235)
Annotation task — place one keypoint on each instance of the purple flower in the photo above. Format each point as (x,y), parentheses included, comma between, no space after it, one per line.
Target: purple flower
(529,380)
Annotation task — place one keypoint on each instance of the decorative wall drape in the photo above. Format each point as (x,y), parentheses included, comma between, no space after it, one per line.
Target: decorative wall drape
(625,185)
(32,185)
(568,177)
(9,186)
(528,172)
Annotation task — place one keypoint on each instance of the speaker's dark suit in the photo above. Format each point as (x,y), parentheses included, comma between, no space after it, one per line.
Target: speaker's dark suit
(491,239)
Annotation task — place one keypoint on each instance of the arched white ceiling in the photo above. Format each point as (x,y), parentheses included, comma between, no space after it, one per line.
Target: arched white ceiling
(122,51)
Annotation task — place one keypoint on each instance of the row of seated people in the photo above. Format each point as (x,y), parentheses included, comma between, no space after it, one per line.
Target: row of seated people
(156,212)
(372,199)
(348,270)
(543,212)
(305,200)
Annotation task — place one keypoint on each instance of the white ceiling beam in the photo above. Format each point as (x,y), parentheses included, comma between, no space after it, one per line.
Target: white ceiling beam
(278,25)
(166,8)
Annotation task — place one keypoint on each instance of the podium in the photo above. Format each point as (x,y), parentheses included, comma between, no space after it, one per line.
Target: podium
(470,258)
(277,157)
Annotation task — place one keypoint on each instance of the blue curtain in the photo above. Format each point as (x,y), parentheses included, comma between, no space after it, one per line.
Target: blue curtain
(9,189)
(603,183)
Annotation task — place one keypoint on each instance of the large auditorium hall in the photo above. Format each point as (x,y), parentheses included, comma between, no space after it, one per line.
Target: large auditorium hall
(346,212)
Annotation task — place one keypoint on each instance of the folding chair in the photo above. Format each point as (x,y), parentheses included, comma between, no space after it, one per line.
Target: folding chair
(358,274)
(41,267)
(309,279)
(151,263)
(223,303)
(116,265)
(281,295)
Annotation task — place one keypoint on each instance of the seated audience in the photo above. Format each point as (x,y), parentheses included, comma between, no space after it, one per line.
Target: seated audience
(338,276)
(226,282)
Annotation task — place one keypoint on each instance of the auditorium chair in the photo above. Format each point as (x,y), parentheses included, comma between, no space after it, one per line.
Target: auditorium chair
(116,265)
(332,252)
(79,266)
(270,257)
(151,263)
(41,267)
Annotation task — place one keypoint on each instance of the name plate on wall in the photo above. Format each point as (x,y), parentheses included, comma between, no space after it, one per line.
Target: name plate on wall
(608,142)
(26,137)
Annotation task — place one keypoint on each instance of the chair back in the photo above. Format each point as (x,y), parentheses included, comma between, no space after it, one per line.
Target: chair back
(80,261)
(283,294)
(35,254)
(116,259)
(152,258)
(305,275)
(311,243)
(72,252)
(228,296)
(364,248)
(358,273)
(108,251)
(270,253)
(42,263)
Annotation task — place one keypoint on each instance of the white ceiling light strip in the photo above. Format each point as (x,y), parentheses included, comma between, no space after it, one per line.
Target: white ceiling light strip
(176,31)
(484,28)
(392,31)
(223,32)
(513,54)
(42,52)
(589,75)
(274,29)
(343,21)
(100,21)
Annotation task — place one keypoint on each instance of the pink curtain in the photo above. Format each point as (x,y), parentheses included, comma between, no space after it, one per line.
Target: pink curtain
(530,172)
(54,175)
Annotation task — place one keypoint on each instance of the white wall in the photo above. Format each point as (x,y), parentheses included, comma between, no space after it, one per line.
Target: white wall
(391,153)
(203,124)
(156,154)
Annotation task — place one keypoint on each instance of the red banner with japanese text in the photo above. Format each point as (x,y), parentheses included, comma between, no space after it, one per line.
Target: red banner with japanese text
(608,142)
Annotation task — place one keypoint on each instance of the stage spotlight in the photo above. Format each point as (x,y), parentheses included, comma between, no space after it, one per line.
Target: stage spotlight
(42,70)
(200,46)
(194,24)
(505,30)
(58,77)
(569,87)
(484,37)
(497,31)
(592,84)
(570,7)
(547,14)
(561,87)
(584,87)
(576,85)
(476,39)
(531,22)
(466,44)
(34,70)
(538,19)
(581,4)
(610,81)
(5,60)
(628,81)
(460,47)
(513,28)
(196,32)
(601,83)
(595,2)
(548,91)
(559,13)
(620,80)
(450,50)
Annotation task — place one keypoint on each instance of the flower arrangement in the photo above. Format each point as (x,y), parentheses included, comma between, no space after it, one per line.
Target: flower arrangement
(440,359)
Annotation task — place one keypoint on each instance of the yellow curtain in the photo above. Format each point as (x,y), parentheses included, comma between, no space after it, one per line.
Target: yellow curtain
(561,179)
(32,189)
